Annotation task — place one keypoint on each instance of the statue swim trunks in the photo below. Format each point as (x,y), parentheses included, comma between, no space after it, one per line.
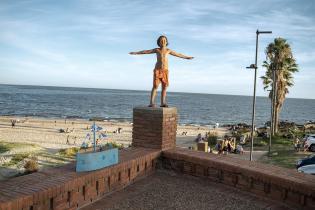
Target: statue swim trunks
(160,75)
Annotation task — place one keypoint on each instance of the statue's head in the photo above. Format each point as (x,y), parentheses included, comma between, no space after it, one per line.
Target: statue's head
(162,41)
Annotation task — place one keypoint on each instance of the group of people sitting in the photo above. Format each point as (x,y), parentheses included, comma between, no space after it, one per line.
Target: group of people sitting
(225,146)
(228,146)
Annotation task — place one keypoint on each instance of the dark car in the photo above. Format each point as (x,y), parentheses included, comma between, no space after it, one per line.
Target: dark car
(306,161)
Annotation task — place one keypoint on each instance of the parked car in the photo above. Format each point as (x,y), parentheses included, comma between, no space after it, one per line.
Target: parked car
(309,160)
(310,143)
(308,169)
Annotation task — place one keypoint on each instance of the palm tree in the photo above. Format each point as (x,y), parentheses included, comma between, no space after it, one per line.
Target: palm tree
(280,66)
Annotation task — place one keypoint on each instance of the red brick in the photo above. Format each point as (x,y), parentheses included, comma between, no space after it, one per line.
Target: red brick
(152,127)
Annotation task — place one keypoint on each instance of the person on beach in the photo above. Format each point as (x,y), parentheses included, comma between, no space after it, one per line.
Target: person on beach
(13,123)
(199,138)
(239,149)
(219,147)
(297,144)
(160,72)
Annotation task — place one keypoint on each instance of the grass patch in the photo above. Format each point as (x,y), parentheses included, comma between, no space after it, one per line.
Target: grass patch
(16,158)
(283,153)
(278,140)
(260,142)
(277,143)
(6,146)
(284,158)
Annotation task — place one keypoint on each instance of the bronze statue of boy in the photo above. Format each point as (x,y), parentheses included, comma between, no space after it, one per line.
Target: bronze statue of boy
(160,72)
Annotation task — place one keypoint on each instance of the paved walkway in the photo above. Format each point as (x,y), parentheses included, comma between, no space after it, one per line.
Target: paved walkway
(169,190)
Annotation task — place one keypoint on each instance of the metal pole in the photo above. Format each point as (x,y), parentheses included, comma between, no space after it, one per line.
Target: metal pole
(94,136)
(254,102)
(254,98)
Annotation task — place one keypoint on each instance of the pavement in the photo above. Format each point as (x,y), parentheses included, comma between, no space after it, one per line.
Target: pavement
(170,190)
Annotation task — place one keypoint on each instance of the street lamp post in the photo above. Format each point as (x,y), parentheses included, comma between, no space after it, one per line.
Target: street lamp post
(254,66)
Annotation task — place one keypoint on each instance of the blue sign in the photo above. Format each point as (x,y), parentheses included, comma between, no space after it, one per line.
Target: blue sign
(96,160)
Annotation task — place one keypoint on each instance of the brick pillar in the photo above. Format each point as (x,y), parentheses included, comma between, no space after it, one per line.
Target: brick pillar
(154,127)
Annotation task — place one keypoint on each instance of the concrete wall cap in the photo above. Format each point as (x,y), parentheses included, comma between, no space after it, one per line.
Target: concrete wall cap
(164,110)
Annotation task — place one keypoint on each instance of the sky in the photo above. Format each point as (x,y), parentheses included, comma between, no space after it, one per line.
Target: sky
(85,43)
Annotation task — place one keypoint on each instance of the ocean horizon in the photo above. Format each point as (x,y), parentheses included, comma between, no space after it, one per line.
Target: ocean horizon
(117,105)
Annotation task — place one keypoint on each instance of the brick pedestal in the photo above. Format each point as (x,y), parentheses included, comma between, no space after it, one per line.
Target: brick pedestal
(202,146)
(154,127)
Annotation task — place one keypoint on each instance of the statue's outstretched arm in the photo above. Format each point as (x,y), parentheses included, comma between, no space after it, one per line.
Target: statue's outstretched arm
(180,55)
(143,52)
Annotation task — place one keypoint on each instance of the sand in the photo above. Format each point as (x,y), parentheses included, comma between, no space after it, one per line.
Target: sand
(41,138)
(45,132)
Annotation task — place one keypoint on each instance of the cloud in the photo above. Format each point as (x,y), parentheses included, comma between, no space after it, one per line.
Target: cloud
(82,38)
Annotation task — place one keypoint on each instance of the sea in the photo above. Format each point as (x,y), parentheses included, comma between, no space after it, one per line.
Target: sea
(117,105)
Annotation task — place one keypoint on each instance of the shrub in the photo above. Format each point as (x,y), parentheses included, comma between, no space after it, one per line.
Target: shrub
(31,165)
(212,138)
(112,145)
(69,152)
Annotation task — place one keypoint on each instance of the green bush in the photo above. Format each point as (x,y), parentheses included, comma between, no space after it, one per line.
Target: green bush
(212,138)
(19,157)
(114,145)
(16,158)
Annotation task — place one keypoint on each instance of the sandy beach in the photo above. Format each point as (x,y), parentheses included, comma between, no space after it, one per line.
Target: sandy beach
(41,137)
(45,132)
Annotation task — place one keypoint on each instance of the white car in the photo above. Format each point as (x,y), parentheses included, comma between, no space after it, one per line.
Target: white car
(310,142)
(308,169)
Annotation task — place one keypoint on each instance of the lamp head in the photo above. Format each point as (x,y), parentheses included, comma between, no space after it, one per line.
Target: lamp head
(252,66)
(263,32)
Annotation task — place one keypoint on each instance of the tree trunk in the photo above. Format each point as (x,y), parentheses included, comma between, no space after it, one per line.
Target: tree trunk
(274,94)
(274,114)
(277,118)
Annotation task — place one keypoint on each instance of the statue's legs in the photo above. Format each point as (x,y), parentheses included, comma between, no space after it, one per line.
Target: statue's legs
(163,96)
(153,95)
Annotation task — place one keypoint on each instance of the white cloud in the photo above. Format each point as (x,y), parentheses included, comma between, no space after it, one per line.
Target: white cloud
(84,37)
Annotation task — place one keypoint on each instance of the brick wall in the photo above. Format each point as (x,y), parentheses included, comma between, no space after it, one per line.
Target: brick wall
(154,127)
(285,185)
(63,188)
